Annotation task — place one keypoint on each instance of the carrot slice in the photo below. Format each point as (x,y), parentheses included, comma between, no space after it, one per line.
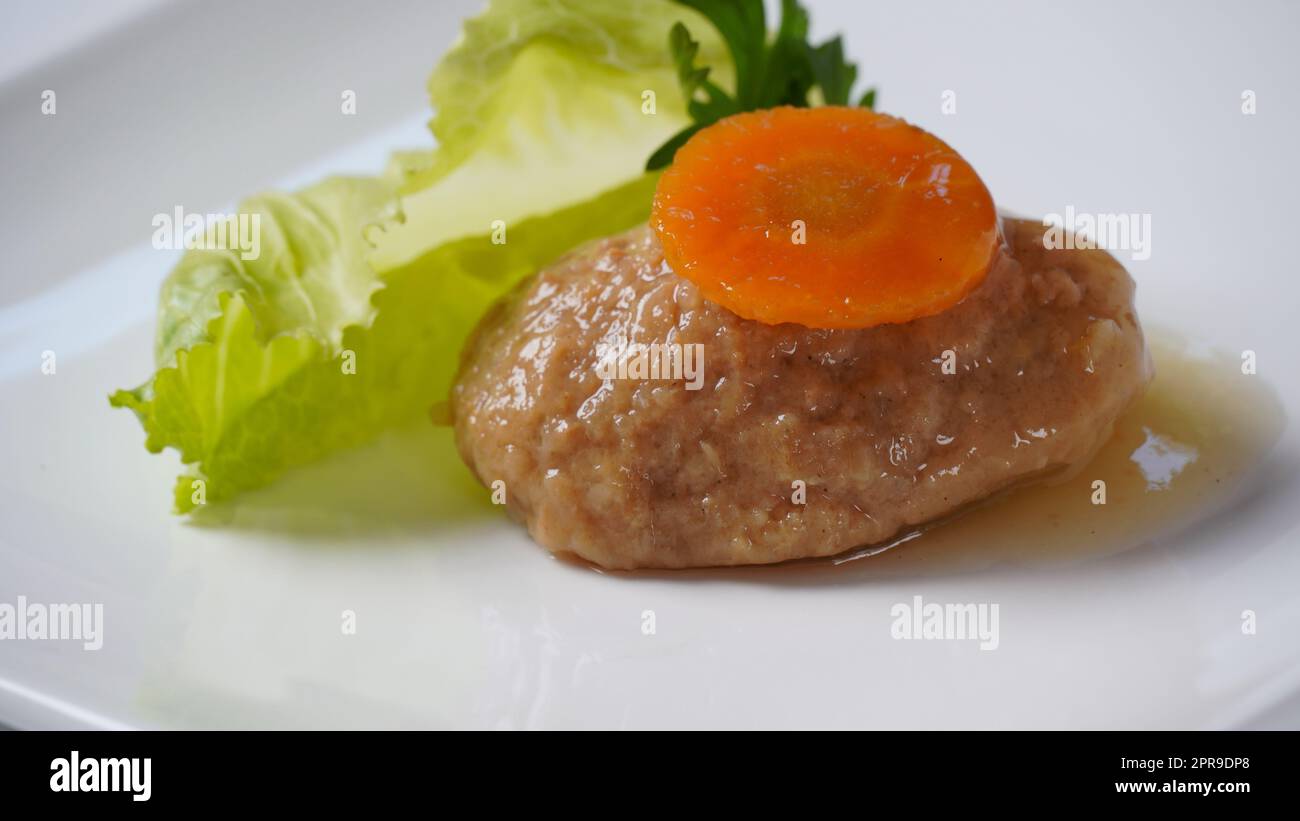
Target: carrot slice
(830,217)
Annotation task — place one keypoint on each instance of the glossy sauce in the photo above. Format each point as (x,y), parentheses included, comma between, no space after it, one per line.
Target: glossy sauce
(1175,458)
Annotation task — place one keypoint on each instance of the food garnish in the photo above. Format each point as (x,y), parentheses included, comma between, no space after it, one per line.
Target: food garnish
(783,70)
(831,217)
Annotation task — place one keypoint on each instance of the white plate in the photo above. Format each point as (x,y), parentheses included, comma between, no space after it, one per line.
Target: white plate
(461,620)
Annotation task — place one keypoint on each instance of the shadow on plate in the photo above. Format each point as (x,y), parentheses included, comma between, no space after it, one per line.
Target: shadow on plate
(408,481)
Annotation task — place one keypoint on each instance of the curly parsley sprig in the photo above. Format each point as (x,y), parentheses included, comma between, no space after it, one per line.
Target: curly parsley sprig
(782,71)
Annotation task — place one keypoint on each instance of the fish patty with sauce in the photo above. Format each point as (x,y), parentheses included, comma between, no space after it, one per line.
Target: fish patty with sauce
(799,442)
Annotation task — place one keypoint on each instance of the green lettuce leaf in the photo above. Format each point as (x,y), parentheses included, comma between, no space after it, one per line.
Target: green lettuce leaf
(310,274)
(351,319)
(542,105)
(243,407)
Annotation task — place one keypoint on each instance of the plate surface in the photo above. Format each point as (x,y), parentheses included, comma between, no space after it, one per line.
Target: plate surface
(460,620)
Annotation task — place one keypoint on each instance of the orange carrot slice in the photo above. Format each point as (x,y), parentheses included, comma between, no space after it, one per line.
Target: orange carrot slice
(830,217)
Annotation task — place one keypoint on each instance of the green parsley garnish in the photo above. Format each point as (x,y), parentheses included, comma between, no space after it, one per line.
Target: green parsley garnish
(781,72)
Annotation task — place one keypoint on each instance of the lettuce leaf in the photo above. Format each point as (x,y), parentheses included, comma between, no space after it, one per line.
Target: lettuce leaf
(243,408)
(542,105)
(351,319)
(311,272)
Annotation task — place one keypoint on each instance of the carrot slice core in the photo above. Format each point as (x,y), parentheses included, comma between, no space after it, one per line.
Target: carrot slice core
(830,217)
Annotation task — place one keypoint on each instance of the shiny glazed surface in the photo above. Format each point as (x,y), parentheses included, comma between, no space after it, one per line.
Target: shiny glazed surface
(1044,356)
(830,217)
